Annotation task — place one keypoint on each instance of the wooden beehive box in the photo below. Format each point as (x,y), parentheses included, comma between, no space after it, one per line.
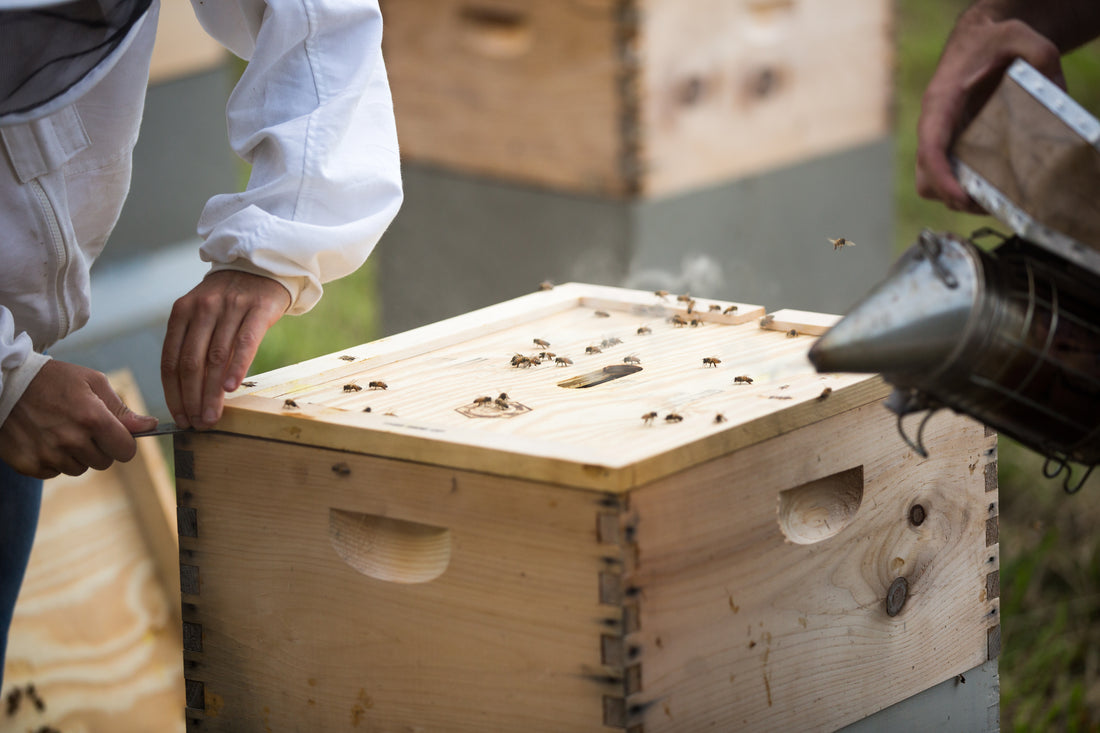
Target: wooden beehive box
(635,97)
(557,563)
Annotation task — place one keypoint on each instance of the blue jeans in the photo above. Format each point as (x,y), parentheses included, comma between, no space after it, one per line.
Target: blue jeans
(20,498)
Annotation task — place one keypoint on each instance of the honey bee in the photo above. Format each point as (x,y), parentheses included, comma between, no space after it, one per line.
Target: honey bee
(691,306)
(685,298)
(519,360)
(563,360)
(766,321)
(631,360)
(546,285)
(649,417)
(792,333)
(502,402)
(593,350)
(547,355)
(533,361)
(482,401)
(348,357)
(730,309)
(503,396)
(643,330)
(608,343)
(711,361)
(378,384)
(366,409)
(248,384)
(840,242)
(714,308)
(719,418)
(542,344)
(662,294)
(602,314)
(825,393)
(696,322)
(677,320)
(742,379)
(289,404)
(352,387)
(673,417)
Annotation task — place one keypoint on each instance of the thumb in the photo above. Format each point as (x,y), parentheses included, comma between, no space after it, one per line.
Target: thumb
(131,420)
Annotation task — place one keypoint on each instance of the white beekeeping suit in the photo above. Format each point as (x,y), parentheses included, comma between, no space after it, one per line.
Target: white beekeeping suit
(312,114)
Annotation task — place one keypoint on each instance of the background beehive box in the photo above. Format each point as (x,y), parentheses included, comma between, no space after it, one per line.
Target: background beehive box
(97,628)
(644,97)
(570,567)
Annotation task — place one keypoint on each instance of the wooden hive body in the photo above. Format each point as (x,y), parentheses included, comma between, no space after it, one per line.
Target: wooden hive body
(635,97)
(571,567)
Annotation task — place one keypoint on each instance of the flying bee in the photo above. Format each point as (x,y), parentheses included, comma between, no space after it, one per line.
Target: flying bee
(649,417)
(673,417)
(631,360)
(546,285)
(378,384)
(643,330)
(677,320)
(602,314)
(714,308)
(691,306)
(348,357)
(841,242)
(483,401)
(289,404)
(730,309)
(792,333)
(593,350)
(503,396)
(742,379)
(248,384)
(563,360)
(719,418)
(542,344)
(711,361)
(352,387)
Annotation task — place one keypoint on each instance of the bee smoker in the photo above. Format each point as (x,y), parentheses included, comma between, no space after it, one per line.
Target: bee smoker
(1009,336)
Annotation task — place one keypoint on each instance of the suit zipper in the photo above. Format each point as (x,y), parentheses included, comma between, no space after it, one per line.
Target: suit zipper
(61,254)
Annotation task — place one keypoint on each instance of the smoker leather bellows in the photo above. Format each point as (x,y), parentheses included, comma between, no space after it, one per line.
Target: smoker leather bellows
(1010,336)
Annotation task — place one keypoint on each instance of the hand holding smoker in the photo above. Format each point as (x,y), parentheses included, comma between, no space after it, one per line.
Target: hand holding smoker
(1009,336)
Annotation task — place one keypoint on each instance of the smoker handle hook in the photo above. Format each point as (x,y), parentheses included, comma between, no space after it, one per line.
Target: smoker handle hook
(918,446)
(1063,465)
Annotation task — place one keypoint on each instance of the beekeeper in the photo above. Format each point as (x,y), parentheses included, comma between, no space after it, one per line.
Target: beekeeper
(312,115)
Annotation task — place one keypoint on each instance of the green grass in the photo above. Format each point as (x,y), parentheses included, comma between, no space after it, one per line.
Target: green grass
(1050,543)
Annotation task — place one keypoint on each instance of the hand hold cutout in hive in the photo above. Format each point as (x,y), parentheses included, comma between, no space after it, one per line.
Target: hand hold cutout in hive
(820,509)
(389,549)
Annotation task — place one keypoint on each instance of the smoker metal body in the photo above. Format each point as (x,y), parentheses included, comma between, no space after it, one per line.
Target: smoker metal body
(1010,336)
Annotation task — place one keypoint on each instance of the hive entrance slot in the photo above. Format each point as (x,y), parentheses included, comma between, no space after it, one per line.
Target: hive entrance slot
(820,509)
(608,373)
(389,549)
